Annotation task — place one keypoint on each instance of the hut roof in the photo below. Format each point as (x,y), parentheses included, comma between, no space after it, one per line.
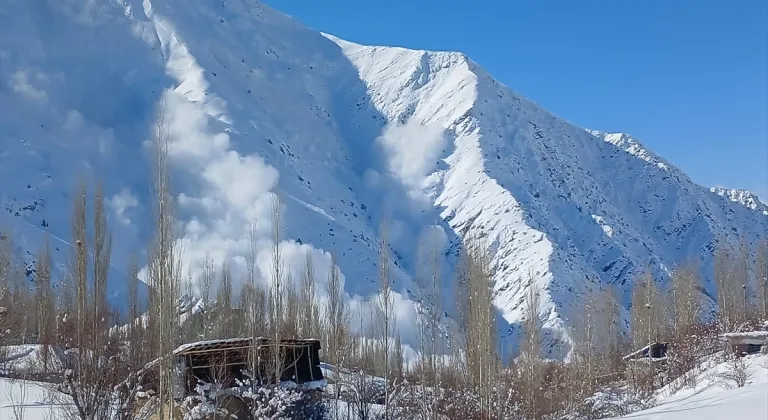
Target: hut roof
(751,337)
(647,353)
(240,343)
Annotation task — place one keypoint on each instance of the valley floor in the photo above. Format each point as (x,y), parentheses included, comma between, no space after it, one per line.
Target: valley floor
(712,399)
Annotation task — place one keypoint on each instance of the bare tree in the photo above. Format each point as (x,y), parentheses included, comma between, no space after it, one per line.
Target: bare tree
(385,321)
(90,393)
(361,390)
(66,307)
(94,386)
(276,291)
(79,266)
(164,269)
(429,279)
(478,319)
(6,291)
(224,303)
(207,277)
(741,288)
(686,352)
(20,303)
(761,275)
(336,318)
(6,261)
(648,318)
(686,301)
(398,359)
(253,306)
(336,315)
(726,282)
(308,306)
(588,343)
(135,326)
(529,359)
(612,331)
(291,313)
(44,303)
(222,379)
(431,310)
(102,250)
(103,385)
(737,371)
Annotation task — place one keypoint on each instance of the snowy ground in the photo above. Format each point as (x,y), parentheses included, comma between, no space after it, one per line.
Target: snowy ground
(712,399)
(26,400)
(30,400)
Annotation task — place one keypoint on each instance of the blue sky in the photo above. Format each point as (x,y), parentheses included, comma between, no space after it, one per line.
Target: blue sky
(689,78)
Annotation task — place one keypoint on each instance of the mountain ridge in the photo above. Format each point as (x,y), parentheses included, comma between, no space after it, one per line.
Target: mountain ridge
(744,197)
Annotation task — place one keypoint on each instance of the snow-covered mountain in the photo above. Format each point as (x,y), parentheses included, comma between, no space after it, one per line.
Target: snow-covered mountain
(743,197)
(349,135)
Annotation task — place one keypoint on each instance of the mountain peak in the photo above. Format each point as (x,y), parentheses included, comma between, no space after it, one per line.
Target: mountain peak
(632,146)
(744,197)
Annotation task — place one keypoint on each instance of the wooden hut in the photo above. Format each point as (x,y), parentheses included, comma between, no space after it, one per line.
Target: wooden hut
(227,363)
(655,352)
(744,343)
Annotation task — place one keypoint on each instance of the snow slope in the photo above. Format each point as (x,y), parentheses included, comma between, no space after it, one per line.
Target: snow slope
(713,404)
(349,135)
(714,398)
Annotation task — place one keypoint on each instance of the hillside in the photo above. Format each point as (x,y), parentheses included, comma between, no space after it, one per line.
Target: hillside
(714,397)
(349,135)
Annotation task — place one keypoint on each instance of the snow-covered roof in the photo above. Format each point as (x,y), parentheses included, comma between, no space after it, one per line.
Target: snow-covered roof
(642,353)
(746,334)
(751,337)
(234,343)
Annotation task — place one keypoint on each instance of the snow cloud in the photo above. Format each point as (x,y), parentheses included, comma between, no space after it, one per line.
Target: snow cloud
(187,126)
(411,151)
(407,156)
(228,191)
(121,203)
(234,190)
(223,191)
(243,178)
(434,237)
(85,135)
(365,315)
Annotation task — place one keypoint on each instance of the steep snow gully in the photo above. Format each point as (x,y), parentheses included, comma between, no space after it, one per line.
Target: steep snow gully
(349,135)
